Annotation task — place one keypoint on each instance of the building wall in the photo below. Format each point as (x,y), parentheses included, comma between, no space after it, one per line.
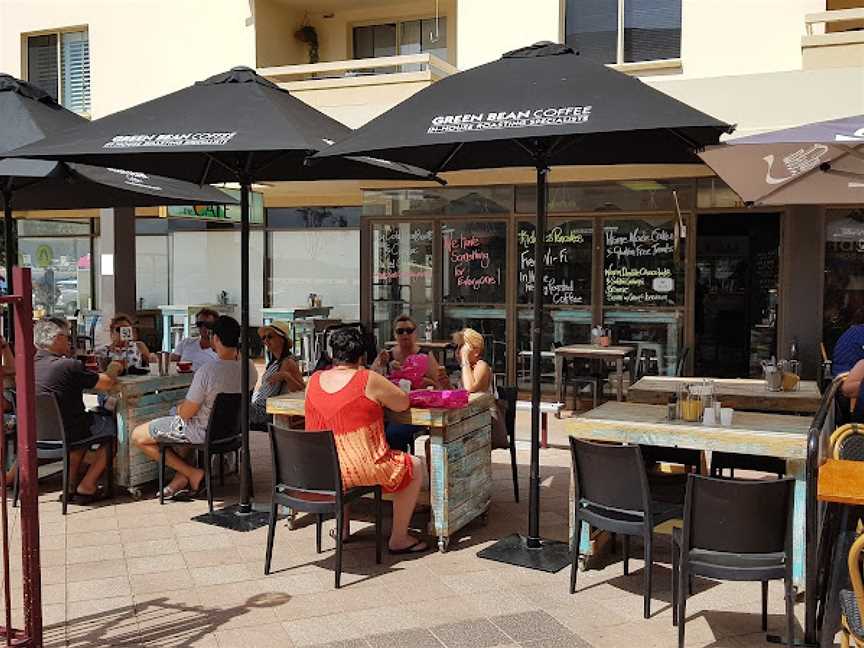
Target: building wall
(139,49)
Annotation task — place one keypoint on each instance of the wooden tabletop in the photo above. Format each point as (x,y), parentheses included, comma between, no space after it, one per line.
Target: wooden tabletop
(594,351)
(841,482)
(772,435)
(295,405)
(738,393)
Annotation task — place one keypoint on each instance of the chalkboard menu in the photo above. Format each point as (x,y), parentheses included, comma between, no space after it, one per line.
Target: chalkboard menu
(640,264)
(474,262)
(402,262)
(567,276)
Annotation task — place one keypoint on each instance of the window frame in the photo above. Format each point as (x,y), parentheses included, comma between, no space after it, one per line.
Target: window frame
(619,40)
(398,22)
(25,54)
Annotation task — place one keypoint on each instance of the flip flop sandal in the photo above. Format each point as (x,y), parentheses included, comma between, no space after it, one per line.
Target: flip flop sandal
(169,493)
(410,549)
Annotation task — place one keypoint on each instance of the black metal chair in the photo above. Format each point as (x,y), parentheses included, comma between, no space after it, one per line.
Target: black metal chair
(611,493)
(307,478)
(509,395)
(52,442)
(223,436)
(734,530)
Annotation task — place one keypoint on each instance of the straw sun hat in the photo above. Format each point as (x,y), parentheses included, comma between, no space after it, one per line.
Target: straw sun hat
(280,328)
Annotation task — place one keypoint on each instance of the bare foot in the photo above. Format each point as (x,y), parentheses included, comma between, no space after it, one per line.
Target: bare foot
(195,481)
(408,544)
(178,483)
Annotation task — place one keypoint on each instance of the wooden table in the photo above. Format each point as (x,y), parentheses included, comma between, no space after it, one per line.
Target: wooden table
(772,435)
(591,352)
(141,399)
(460,462)
(738,393)
(841,482)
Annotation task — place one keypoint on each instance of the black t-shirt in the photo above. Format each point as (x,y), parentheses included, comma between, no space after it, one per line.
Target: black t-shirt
(65,378)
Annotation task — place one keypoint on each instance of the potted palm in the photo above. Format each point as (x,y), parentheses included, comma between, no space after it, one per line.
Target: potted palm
(307,34)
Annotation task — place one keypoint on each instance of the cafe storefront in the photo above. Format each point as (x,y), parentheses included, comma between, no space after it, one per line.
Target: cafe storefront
(623,255)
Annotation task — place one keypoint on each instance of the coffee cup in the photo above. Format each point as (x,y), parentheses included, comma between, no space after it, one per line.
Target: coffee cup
(184,366)
(726,416)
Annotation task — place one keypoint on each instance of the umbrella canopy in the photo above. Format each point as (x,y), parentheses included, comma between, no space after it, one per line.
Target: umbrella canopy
(538,106)
(233,127)
(28,114)
(819,163)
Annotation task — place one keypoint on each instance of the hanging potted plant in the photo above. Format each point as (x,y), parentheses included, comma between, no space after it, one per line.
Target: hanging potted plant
(307,34)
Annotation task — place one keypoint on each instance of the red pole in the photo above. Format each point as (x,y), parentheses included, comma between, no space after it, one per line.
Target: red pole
(27,462)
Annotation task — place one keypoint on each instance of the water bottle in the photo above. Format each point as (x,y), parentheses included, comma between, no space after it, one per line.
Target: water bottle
(793,349)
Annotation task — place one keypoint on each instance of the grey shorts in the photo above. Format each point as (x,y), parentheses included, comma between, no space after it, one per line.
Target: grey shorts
(169,428)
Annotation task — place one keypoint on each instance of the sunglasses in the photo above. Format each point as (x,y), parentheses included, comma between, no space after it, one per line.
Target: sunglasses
(268,336)
(203,324)
(405,331)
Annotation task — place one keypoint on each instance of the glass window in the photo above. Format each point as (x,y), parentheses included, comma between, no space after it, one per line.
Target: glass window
(626,195)
(558,327)
(657,336)
(474,261)
(488,321)
(844,273)
(641,263)
(151,271)
(592,29)
(458,200)
(53,227)
(652,29)
(320,262)
(567,279)
(312,217)
(373,41)
(427,35)
(61,273)
(70,84)
(401,274)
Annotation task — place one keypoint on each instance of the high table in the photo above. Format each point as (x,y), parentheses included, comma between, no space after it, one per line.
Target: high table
(140,399)
(738,393)
(460,462)
(772,435)
(592,352)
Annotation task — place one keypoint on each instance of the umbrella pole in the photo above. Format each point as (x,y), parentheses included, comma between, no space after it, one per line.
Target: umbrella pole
(532,551)
(11,254)
(246,468)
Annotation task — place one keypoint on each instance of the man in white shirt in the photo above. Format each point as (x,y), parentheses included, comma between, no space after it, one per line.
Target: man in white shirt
(198,350)
(220,376)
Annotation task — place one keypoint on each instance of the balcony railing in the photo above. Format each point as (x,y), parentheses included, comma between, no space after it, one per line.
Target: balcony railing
(368,71)
(833,39)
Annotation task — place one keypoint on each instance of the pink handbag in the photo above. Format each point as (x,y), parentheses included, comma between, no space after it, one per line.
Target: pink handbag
(438,399)
(413,370)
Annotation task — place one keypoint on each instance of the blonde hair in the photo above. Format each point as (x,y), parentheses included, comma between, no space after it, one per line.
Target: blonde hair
(474,340)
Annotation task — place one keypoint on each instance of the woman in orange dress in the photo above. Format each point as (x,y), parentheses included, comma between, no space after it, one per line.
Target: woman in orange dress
(349,400)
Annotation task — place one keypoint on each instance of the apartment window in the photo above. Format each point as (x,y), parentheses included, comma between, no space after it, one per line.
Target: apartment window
(402,37)
(59,64)
(624,31)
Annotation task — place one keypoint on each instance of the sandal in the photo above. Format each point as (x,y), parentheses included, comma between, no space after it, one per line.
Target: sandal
(169,493)
(410,549)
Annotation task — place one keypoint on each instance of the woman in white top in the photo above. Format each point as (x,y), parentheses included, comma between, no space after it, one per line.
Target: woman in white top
(476,374)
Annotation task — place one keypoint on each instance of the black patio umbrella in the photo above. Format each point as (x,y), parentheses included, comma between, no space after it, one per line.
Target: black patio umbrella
(28,114)
(233,127)
(539,106)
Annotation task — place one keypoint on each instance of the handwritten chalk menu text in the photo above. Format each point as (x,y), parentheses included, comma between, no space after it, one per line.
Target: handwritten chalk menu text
(402,260)
(474,261)
(639,264)
(567,275)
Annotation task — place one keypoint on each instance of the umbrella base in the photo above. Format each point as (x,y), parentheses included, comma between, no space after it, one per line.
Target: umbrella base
(231,517)
(551,556)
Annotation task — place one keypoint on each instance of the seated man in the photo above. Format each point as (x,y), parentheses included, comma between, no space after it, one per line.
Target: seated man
(193,413)
(66,379)
(198,350)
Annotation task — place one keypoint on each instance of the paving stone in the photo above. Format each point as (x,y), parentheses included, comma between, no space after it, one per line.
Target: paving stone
(419,638)
(530,626)
(469,634)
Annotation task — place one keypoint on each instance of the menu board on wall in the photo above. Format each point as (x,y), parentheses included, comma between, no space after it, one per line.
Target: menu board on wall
(567,274)
(639,264)
(402,259)
(474,262)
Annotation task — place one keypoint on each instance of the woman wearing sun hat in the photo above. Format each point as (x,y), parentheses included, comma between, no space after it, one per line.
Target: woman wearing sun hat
(282,374)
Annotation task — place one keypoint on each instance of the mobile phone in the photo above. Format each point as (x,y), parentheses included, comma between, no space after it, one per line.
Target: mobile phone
(126,333)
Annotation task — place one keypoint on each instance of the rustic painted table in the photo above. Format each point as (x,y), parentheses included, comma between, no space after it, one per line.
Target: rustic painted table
(772,435)
(140,399)
(738,393)
(460,462)
(592,352)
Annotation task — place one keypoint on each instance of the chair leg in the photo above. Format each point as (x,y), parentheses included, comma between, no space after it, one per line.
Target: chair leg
(764,606)
(161,475)
(379,527)
(109,478)
(16,489)
(649,565)
(340,517)
(789,593)
(683,573)
(844,638)
(574,555)
(271,534)
(65,479)
(319,524)
(675,559)
(626,543)
(221,469)
(515,469)
(208,459)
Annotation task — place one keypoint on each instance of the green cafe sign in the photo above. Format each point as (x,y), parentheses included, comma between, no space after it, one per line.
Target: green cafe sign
(229,213)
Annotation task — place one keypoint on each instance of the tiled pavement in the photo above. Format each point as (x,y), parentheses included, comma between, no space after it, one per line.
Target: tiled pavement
(132,573)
